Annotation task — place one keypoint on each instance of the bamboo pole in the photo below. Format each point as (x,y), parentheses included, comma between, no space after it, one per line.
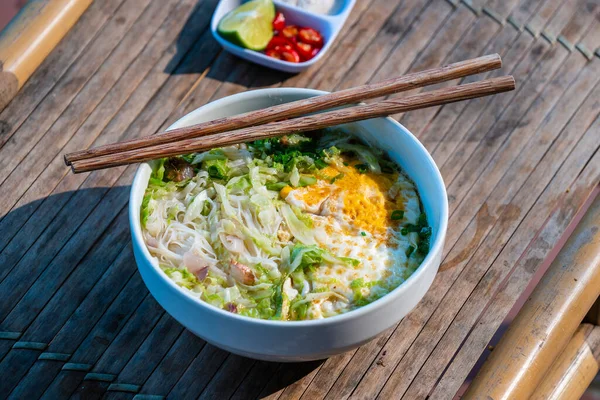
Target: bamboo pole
(548,319)
(30,37)
(574,369)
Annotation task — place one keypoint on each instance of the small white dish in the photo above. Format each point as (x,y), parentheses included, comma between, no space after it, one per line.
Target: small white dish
(329,25)
(313,339)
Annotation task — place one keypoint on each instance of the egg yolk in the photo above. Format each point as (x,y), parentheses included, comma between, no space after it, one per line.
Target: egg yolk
(366,202)
(285,191)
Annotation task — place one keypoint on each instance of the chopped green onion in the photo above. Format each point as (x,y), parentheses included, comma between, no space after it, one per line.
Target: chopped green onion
(423,247)
(404,231)
(320,164)
(277,186)
(361,168)
(363,233)
(410,250)
(412,227)
(397,215)
(306,180)
(335,178)
(424,236)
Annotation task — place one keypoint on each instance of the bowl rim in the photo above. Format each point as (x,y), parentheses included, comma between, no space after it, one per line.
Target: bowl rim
(435,248)
(345,9)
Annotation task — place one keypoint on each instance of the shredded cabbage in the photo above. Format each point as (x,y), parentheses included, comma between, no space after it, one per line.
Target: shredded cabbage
(224,233)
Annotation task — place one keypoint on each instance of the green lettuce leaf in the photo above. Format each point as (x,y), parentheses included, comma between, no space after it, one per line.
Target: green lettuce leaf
(216,168)
(364,154)
(182,277)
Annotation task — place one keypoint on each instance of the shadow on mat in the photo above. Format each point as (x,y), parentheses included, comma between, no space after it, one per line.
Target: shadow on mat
(287,374)
(70,253)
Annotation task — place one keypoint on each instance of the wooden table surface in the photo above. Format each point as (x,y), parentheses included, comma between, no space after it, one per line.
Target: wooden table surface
(76,318)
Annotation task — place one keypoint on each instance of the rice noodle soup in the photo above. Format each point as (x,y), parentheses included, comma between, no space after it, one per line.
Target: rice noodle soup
(292,228)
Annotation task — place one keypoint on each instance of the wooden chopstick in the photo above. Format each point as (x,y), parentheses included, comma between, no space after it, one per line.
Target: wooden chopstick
(301,107)
(306,123)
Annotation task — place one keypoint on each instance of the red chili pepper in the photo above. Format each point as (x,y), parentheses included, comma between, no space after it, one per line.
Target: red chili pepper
(310,36)
(285,52)
(285,47)
(305,51)
(273,53)
(279,21)
(278,41)
(290,32)
(290,55)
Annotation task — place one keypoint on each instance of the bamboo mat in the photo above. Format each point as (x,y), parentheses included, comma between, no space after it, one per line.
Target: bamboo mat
(76,318)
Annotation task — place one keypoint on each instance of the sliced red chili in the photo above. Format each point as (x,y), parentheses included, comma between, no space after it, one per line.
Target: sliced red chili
(304,50)
(285,52)
(290,55)
(310,36)
(278,41)
(279,21)
(273,53)
(285,47)
(290,32)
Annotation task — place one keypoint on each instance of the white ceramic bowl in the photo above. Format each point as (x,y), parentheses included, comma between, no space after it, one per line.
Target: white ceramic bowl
(329,25)
(301,340)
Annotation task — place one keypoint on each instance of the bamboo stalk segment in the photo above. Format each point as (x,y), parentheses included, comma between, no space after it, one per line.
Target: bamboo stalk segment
(548,320)
(574,369)
(30,37)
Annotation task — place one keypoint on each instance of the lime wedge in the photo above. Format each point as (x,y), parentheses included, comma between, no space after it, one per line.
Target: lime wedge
(250,25)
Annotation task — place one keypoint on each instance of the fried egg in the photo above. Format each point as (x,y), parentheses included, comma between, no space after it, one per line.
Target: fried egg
(355,211)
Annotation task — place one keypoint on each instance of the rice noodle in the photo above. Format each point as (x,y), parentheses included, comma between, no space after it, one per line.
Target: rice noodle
(230,237)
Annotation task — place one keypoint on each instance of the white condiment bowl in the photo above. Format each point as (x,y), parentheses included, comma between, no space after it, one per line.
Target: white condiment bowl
(329,25)
(301,340)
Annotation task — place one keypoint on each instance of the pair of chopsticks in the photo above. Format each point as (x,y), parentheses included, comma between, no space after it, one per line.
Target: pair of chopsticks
(281,119)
